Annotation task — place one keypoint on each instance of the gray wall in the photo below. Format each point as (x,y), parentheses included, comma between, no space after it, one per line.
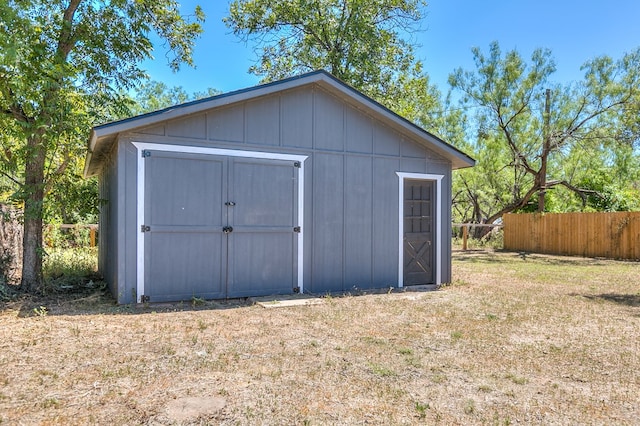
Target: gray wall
(107,243)
(351,186)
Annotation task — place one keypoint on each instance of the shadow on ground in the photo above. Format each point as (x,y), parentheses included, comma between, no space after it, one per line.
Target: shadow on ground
(96,300)
(100,302)
(621,299)
(499,256)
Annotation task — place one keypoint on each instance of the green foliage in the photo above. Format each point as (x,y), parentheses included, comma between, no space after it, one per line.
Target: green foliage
(69,266)
(78,236)
(421,409)
(72,199)
(41,311)
(64,65)
(579,155)
(359,41)
(492,239)
(154,95)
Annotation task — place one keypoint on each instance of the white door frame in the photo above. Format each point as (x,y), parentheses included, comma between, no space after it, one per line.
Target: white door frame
(141,146)
(438,225)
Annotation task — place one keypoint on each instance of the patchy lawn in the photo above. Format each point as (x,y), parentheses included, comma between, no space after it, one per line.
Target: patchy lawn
(530,339)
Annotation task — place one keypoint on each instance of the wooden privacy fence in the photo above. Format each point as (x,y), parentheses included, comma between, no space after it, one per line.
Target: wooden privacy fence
(613,235)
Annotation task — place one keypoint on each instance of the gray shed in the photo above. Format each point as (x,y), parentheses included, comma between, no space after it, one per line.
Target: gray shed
(301,185)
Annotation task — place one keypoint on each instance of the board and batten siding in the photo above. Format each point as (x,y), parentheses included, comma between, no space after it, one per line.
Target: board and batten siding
(351,185)
(108,211)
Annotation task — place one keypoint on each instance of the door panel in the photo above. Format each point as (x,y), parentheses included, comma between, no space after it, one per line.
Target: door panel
(186,191)
(178,270)
(263,242)
(261,263)
(264,192)
(419,217)
(185,250)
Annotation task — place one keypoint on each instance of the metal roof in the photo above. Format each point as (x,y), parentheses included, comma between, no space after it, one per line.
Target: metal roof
(103,136)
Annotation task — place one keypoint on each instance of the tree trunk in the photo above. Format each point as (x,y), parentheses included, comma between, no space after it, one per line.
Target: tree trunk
(33,203)
(546,148)
(10,245)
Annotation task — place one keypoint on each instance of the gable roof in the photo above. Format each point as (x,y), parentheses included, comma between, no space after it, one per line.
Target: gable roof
(103,136)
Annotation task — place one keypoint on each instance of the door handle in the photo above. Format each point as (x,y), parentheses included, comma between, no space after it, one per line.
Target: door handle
(227,229)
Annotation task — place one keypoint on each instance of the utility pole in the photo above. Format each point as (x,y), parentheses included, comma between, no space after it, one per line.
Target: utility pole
(542,174)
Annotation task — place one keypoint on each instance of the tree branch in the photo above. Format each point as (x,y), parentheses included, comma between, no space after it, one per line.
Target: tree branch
(579,191)
(518,204)
(516,152)
(11,178)
(59,172)
(67,39)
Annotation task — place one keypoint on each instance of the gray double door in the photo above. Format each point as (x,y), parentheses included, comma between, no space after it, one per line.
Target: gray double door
(219,226)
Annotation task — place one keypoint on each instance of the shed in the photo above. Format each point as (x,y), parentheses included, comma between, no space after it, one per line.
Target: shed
(300,185)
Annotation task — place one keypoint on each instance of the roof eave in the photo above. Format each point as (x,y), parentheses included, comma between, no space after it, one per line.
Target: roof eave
(457,158)
(91,146)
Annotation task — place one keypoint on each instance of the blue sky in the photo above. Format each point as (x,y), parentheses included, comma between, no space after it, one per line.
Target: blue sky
(575,31)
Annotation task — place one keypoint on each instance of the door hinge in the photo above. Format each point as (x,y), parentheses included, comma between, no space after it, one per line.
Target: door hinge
(297,164)
(296,229)
(145,228)
(146,153)
(144,298)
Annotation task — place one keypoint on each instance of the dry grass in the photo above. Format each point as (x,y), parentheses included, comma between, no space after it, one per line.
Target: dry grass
(526,339)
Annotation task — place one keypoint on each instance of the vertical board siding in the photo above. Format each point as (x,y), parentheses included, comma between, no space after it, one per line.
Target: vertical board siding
(385,222)
(613,235)
(358,214)
(412,165)
(296,119)
(191,127)
(386,141)
(227,124)
(328,126)
(262,118)
(107,247)
(157,130)
(328,222)
(359,132)
(412,150)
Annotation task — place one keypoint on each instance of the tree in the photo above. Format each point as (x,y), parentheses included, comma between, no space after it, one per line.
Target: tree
(526,133)
(155,95)
(73,199)
(358,41)
(63,65)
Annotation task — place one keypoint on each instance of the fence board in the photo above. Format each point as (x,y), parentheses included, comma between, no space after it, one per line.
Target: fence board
(613,235)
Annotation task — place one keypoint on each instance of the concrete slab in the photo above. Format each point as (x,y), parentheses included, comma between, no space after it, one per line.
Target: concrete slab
(191,408)
(273,302)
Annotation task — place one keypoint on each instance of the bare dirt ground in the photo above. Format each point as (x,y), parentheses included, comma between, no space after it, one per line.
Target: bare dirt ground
(527,339)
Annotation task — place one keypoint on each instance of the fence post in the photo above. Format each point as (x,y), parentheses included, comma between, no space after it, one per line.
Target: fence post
(92,236)
(465,236)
